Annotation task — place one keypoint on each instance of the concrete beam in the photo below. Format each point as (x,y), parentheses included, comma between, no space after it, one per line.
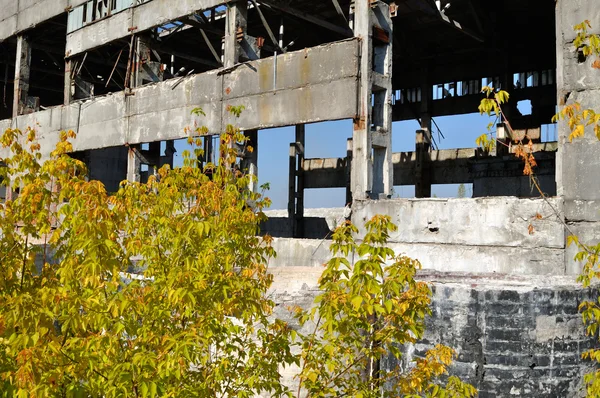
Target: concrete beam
(497,221)
(475,260)
(133,20)
(446,166)
(307,82)
(449,166)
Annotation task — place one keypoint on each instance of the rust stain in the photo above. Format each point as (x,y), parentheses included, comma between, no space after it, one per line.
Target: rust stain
(265,76)
(381,35)
(360,124)
(228,90)
(264,109)
(305,69)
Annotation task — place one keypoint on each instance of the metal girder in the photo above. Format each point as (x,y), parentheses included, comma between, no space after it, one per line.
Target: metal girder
(344,31)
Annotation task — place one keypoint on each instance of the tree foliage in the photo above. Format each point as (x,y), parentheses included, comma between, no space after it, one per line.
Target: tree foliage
(75,320)
(367,311)
(162,290)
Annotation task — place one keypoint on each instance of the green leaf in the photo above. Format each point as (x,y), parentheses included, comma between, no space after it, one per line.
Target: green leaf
(356,302)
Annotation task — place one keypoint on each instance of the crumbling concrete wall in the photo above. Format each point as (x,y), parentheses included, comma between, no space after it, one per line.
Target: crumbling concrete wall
(513,336)
(20,15)
(578,181)
(503,296)
(305,83)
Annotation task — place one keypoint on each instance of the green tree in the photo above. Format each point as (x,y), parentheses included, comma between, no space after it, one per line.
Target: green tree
(366,313)
(194,321)
(161,290)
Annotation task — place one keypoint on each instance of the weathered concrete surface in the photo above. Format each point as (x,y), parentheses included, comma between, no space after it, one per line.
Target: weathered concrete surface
(135,19)
(437,257)
(513,337)
(577,82)
(20,15)
(480,236)
(578,160)
(496,221)
(308,80)
(519,335)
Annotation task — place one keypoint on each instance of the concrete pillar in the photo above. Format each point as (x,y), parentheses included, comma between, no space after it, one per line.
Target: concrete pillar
(503,139)
(134,164)
(68,82)
(422,170)
(426,98)
(292,190)
(296,184)
(372,169)
(300,145)
(236,25)
(169,154)
(22,72)
(142,57)
(208,149)
(348,171)
(423,140)
(577,162)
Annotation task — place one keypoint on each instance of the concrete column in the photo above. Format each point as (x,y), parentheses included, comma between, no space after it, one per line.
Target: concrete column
(292,190)
(426,98)
(236,24)
(383,170)
(169,155)
(300,147)
(208,149)
(362,166)
(348,171)
(422,171)
(423,141)
(142,57)
(68,82)
(577,162)
(134,164)
(372,169)
(22,73)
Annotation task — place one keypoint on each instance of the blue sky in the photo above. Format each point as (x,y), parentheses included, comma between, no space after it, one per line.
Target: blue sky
(325,140)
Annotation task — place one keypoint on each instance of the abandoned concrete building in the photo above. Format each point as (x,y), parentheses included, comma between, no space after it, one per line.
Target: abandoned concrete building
(126,74)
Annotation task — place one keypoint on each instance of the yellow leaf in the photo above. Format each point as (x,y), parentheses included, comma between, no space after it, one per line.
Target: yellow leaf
(577,132)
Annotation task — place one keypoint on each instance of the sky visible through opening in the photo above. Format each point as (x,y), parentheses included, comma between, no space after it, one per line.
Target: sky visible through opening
(328,140)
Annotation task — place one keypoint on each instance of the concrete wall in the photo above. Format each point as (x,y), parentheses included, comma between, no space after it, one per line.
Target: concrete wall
(133,20)
(20,15)
(578,181)
(514,337)
(504,298)
(312,85)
